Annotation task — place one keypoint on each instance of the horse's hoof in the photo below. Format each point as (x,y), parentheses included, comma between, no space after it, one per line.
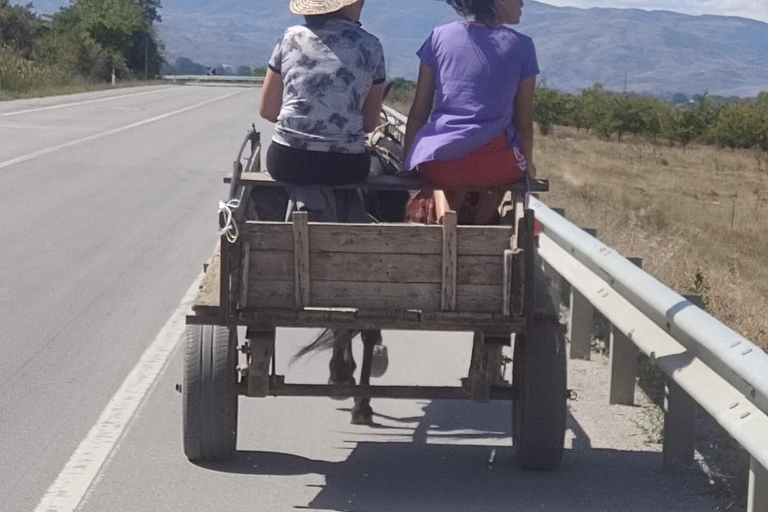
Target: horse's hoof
(362,415)
(380,361)
(351,382)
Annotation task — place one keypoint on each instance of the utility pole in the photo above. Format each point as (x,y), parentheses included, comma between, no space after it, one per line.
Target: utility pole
(146,58)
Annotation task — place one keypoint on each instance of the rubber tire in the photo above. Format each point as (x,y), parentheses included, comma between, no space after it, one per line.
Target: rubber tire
(210,394)
(540,410)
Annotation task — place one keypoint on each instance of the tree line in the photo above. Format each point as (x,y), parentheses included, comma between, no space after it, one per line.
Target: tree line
(186,66)
(88,40)
(705,119)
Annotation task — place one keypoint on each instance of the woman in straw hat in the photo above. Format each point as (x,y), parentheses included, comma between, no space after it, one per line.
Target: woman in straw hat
(324,89)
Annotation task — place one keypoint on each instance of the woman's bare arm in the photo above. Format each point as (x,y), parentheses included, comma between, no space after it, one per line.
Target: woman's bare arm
(271,96)
(372,107)
(524,119)
(422,105)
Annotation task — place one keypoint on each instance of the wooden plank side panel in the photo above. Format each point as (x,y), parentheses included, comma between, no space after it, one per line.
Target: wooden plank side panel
(480,270)
(271,294)
(271,266)
(385,268)
(406,239)
(401,296)
(376,239)
(484,241)
(268,236)
(472,298)
(379,238)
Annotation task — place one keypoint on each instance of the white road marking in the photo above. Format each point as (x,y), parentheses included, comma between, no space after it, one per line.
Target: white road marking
(14,126)
(98,447)
(84,102)
(53,149)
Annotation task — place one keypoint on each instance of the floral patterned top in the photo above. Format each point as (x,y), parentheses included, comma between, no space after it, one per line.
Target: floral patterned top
(327,70)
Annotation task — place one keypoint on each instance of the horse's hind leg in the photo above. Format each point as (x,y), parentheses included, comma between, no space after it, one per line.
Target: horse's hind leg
(362,413)
(342,363)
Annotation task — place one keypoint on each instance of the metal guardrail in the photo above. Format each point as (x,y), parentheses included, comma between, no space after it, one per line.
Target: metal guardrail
(706,363)
(693,349)
(395,120)
(257,80)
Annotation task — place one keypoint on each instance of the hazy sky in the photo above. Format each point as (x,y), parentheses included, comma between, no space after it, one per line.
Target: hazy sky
(755,9)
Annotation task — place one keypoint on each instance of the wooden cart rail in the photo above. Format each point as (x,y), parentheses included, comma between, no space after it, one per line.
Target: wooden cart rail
(264,179)
(494,325)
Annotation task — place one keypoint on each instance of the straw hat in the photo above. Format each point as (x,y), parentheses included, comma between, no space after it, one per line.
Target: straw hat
(316,7)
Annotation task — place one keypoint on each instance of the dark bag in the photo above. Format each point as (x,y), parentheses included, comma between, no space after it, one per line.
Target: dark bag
(386,160)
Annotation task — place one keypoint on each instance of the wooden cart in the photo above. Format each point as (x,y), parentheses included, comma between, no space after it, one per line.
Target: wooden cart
(485,280)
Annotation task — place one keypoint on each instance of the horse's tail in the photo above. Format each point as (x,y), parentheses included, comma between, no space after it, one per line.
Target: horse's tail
(326,340)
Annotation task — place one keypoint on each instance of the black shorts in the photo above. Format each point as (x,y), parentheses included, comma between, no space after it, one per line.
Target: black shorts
(303,167)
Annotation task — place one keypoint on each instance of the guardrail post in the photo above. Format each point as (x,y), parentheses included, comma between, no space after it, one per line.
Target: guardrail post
(679,427)
(623,364)
(555,279)
(757,500)
(580,326)
(580,321)
(679,420)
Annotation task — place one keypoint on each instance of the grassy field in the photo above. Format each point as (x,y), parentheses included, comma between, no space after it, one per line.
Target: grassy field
(698,217)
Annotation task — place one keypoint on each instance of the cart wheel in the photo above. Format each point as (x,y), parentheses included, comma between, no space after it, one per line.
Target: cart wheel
(539,375)
(540,410)
(210,393)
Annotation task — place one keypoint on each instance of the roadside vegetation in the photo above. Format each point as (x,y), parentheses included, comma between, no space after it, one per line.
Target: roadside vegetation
(79,46)
(703,119)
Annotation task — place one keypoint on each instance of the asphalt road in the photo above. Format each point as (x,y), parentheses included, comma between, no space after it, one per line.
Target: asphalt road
(107,213)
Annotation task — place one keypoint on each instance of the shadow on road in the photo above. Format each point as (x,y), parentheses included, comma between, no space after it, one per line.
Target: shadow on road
(422,476)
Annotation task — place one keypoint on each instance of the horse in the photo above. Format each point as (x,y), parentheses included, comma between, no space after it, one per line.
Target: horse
(382,206)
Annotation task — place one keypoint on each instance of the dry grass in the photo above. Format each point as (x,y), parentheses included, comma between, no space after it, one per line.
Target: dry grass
(680,210)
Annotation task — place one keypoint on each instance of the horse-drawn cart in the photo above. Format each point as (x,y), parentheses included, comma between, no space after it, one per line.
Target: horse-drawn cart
(369,277)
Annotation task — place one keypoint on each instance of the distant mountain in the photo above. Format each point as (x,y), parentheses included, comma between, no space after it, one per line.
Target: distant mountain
(656,52)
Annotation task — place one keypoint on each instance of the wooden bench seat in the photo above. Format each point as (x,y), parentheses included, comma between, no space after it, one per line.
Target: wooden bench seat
(264,179)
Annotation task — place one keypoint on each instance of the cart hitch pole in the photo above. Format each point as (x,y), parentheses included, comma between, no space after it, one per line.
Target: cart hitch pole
(226,215)
(237,165)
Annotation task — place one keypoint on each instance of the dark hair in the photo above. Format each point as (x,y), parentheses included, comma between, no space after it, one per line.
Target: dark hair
(318,20)
(483,11)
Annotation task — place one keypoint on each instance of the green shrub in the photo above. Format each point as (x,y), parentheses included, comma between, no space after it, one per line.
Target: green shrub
(20,75)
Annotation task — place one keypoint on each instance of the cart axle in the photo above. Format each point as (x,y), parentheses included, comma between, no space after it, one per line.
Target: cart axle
(277,387)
